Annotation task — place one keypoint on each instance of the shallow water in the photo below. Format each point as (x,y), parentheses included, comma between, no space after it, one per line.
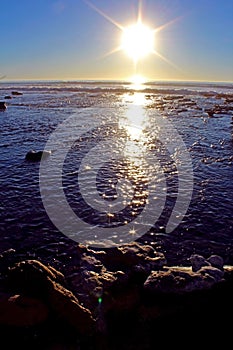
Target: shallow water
(122,154)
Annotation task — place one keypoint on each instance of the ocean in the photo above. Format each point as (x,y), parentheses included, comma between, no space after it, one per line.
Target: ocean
(152,163)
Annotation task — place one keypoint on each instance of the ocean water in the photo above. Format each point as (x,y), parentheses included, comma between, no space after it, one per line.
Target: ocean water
(152,163)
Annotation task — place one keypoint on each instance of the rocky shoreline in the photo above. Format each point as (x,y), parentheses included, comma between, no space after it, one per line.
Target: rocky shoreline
(129,299)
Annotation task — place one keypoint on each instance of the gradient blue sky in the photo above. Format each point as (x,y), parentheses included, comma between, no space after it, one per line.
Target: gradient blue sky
(67,39)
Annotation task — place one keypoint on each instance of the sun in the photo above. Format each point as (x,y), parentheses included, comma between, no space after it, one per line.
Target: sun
(137,41)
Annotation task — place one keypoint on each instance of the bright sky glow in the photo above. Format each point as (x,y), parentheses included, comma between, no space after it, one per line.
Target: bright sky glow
(73,39)
(137,41)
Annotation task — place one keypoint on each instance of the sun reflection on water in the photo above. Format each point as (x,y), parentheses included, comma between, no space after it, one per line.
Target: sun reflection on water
(134,121)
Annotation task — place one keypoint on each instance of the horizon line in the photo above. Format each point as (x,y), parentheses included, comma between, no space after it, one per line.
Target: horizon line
(125,80)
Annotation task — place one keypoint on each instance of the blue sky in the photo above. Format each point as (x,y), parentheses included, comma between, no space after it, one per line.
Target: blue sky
(68,39)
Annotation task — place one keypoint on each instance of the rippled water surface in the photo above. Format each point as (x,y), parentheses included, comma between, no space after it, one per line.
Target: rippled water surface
(124,157)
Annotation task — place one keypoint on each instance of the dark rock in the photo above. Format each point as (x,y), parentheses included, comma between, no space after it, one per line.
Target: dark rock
(198,261)
(36,156)
(121,297)
(131,307)
(180,280)
(8,97)
(216,261)
(67,307)
(16,93)
(132,254)
(22,311)
(32,278)
(7,258)
(113,278)
(3,105)
(91,287)
(213,272)
(90,263)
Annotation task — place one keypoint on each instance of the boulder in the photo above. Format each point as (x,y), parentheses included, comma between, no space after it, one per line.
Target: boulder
(21,311)
(34,279)
(64,303)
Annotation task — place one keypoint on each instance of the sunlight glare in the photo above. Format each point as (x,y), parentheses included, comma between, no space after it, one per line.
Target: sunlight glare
(137,41)
(137,82)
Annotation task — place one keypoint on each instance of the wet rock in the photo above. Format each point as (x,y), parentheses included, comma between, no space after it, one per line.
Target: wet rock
(90,263)
(35,156)
(181,280)
(198,261)
(213,272)
(22,311)
(210,112)
(67,307)
(122,295)
(105,290)
(91,286)
(115,277)
(216,261)
(32,278)
(3,106)
(6,253)
(132,254)
(16,93)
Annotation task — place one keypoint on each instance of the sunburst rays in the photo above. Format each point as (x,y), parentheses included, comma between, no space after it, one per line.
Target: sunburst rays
(136,53)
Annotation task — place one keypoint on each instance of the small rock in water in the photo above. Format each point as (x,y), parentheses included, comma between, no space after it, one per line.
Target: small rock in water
(35,156)
(16,93)
(3,106)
